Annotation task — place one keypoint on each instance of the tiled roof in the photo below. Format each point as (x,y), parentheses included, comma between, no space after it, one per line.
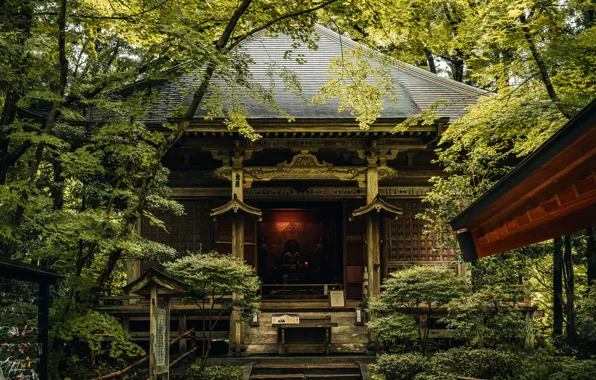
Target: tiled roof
(417,91)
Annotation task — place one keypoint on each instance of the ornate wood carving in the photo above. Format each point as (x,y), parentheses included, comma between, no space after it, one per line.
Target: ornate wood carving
(311,192)
(304,159)
(303,166)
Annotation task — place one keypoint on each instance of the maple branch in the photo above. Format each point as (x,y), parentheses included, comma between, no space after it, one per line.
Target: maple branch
(239,39)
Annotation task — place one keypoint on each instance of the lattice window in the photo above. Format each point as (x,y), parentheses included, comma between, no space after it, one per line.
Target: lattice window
(405,240)
(190,232)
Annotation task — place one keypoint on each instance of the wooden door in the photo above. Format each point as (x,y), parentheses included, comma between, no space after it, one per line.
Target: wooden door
(354,250)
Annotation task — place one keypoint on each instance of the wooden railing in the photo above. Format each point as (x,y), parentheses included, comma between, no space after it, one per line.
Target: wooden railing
(295,290)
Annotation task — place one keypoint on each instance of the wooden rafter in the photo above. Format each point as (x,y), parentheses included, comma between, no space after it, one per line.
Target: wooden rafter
(549,194)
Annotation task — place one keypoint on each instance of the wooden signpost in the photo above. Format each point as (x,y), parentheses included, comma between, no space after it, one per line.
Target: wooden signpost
(159,287)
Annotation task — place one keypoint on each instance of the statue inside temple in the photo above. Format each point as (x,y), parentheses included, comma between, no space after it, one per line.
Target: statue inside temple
(262,258)
(292,255)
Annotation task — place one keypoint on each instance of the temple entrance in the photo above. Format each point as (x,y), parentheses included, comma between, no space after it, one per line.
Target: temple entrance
(300,248)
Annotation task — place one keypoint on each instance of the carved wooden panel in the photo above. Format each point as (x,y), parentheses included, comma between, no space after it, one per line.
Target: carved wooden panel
(405,241)
(191,232)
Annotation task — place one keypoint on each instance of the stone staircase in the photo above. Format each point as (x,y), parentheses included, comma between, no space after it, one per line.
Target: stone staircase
(309,371)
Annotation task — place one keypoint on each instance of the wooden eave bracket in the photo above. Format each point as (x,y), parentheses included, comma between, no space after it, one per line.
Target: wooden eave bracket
(379,206)
(236,206)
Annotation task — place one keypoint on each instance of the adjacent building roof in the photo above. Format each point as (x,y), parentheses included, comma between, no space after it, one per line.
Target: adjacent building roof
(417,91)
(27,272)
(550,193)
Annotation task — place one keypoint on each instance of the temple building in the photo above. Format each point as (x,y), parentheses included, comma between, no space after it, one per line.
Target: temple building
(315,205)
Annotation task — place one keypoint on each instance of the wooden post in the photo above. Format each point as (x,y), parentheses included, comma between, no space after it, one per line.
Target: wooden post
(153,334)
(237,251)
(373,253)
(159,337)
(182,330)
(193,344)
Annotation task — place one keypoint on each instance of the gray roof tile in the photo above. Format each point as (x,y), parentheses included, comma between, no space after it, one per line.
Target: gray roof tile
(417,91)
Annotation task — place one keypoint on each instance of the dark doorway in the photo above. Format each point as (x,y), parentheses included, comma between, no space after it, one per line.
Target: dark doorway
(300,243)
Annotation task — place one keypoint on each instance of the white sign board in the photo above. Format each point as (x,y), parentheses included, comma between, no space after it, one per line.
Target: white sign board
(162,336)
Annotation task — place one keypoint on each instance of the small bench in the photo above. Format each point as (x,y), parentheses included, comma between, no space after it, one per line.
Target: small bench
(305,337)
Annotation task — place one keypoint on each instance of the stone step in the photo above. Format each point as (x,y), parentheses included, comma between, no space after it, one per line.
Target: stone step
(269,369)
(306,371)
(312,376)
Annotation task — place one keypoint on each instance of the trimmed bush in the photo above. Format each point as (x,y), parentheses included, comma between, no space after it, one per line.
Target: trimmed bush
(550,367)
(399,367)
(216,372)
(478,363)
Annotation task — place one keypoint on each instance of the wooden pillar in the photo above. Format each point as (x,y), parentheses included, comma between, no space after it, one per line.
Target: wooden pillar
(237,251)
(182,330)
(373,238)
(153,334)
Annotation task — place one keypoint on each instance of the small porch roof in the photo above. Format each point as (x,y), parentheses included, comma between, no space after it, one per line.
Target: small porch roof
(236,206)
(166,285)
(379,206)
(549,194)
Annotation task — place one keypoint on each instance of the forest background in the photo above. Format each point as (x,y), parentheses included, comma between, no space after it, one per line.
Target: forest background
(71,191)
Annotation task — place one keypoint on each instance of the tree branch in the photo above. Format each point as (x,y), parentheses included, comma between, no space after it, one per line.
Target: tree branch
(239,39)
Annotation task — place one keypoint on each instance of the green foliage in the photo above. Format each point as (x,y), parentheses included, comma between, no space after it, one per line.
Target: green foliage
(409,294)
(476,363)
(586,320)
(488,318)
(217,276)
(545,365)
(90,328)
(487,364)
(360,79)
(220,283)
(214,373)
(399,367)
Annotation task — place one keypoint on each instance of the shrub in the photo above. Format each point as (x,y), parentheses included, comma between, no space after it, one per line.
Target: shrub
(542,366)
(216,372)
(399,367)
(478,363)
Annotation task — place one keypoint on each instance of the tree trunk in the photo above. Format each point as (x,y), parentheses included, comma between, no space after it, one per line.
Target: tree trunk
(591,256)
(54,112)
(22,24)
(544,75)
(142,192)
(458,70)
(570,293)
(430,62)
(558,287)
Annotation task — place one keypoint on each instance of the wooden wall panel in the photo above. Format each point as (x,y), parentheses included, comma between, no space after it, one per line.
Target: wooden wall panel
(354,251)
(406,243)
(191,232)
